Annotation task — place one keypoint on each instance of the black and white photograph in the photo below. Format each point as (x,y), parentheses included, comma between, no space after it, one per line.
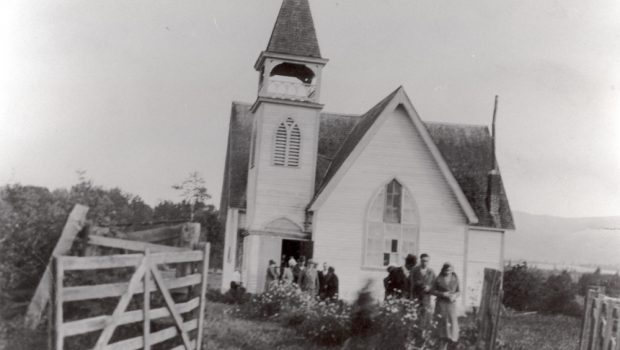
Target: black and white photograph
(310,174)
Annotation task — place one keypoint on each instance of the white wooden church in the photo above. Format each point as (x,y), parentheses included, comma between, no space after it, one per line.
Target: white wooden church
(359,192)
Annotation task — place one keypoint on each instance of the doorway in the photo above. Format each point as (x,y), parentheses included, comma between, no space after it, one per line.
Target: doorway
(296,249)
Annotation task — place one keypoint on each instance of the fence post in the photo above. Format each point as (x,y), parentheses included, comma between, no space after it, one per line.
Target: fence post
(586,321)
(56,314)
(203,296)
(147,302)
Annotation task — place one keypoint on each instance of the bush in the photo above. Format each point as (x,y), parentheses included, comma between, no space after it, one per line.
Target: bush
(523,287)
(559,296)
(327,323)
(279,297)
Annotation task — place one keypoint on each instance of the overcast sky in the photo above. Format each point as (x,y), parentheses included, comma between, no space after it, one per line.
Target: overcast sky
(138,93)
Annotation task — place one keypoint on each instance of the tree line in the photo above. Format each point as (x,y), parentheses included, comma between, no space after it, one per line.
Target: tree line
(32,218)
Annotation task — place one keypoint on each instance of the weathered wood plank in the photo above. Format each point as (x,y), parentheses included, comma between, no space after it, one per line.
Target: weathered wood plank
(107,332)
(154,235)
(146,324)
(156,338)
(586,321)
(133,245)
(125,260)
(203,296)
(170,304)
(75,223)
(117,289)
(58,311)
(99,322)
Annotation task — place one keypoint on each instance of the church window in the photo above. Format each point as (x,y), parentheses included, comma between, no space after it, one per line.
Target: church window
(287,144)
(392,226)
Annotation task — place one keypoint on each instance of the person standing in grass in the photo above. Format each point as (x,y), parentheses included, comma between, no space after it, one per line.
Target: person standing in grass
(272,274)
(446,289)
(309,281)
(422,278)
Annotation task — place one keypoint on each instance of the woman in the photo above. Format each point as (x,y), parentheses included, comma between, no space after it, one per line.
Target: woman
(287,273)
(446,289)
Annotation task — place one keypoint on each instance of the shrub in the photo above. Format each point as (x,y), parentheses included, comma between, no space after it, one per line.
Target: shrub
(559,296)
(327,323)
(279,297)
(523,287)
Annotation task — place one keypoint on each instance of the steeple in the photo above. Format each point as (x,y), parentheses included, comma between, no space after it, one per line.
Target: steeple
(290,68)
(293,33)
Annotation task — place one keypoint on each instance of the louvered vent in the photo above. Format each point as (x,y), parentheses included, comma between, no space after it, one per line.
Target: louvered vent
(287,146)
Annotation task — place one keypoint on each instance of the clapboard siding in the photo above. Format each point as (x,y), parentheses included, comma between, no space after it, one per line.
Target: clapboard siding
(396,150)
(278,191)
(484,250)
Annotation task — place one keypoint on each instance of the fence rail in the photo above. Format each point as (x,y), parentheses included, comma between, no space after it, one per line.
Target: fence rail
(145,280)
(600,323)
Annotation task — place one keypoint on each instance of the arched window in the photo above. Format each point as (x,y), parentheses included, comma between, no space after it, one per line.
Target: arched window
(287,144)
(392,226)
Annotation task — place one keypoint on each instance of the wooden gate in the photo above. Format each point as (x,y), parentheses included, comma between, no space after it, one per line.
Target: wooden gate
(145,279)
(490,307)
(601,323)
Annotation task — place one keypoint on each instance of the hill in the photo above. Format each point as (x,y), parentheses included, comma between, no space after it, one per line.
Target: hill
(559,240)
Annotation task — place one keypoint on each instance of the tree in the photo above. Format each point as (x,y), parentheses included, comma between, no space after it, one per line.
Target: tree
(193,191)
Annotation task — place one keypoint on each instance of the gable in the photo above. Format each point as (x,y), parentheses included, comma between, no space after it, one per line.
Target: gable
(362,135)
(466,150)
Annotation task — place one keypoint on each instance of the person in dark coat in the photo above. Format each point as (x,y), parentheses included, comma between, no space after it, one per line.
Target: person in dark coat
(398,283)
(272,274)
(331,284)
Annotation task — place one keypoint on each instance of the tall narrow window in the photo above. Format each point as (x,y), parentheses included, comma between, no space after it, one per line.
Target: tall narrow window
(287,144)
(391,226)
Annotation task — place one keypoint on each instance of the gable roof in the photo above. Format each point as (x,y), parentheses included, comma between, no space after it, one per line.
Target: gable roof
(293,32)
(466,149)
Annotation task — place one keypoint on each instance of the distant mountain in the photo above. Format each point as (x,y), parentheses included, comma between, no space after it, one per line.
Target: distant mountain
(558,240)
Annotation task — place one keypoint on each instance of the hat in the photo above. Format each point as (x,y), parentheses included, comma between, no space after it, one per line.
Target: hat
(292,262)
(410,259)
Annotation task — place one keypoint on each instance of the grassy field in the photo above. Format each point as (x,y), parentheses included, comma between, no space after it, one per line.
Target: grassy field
(225,332)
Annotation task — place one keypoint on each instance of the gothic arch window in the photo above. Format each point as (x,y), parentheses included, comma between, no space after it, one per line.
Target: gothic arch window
(392,226)
(287,144)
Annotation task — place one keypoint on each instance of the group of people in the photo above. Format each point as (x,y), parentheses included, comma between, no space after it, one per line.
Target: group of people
(418,282)
(321,283)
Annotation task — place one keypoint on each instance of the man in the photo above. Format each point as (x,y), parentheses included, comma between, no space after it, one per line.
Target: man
(398,284)
(272,274)
(422,278)
(322,275)
(309,281)
(331,284)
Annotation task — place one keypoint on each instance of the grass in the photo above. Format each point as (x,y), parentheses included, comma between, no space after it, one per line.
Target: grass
(223,331)
(541,332)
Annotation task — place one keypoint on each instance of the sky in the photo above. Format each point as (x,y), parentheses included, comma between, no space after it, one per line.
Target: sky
(138,93)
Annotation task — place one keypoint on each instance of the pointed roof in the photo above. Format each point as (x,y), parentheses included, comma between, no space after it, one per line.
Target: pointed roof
(466,150)
(294,33)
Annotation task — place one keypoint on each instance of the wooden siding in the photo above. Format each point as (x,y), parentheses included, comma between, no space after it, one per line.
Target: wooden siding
(483,250)
(278,191)
(395,151)
(230,247)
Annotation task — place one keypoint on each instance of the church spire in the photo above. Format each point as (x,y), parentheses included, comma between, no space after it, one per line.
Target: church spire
(293,33)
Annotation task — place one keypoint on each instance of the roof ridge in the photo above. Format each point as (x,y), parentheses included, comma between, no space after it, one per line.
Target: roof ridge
(456,124)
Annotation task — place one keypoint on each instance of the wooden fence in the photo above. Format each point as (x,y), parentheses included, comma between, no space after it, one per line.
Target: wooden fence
(600,323)
(146,279)
(490,307)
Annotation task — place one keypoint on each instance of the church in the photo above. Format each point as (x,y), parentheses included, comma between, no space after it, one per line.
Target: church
(358,192)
